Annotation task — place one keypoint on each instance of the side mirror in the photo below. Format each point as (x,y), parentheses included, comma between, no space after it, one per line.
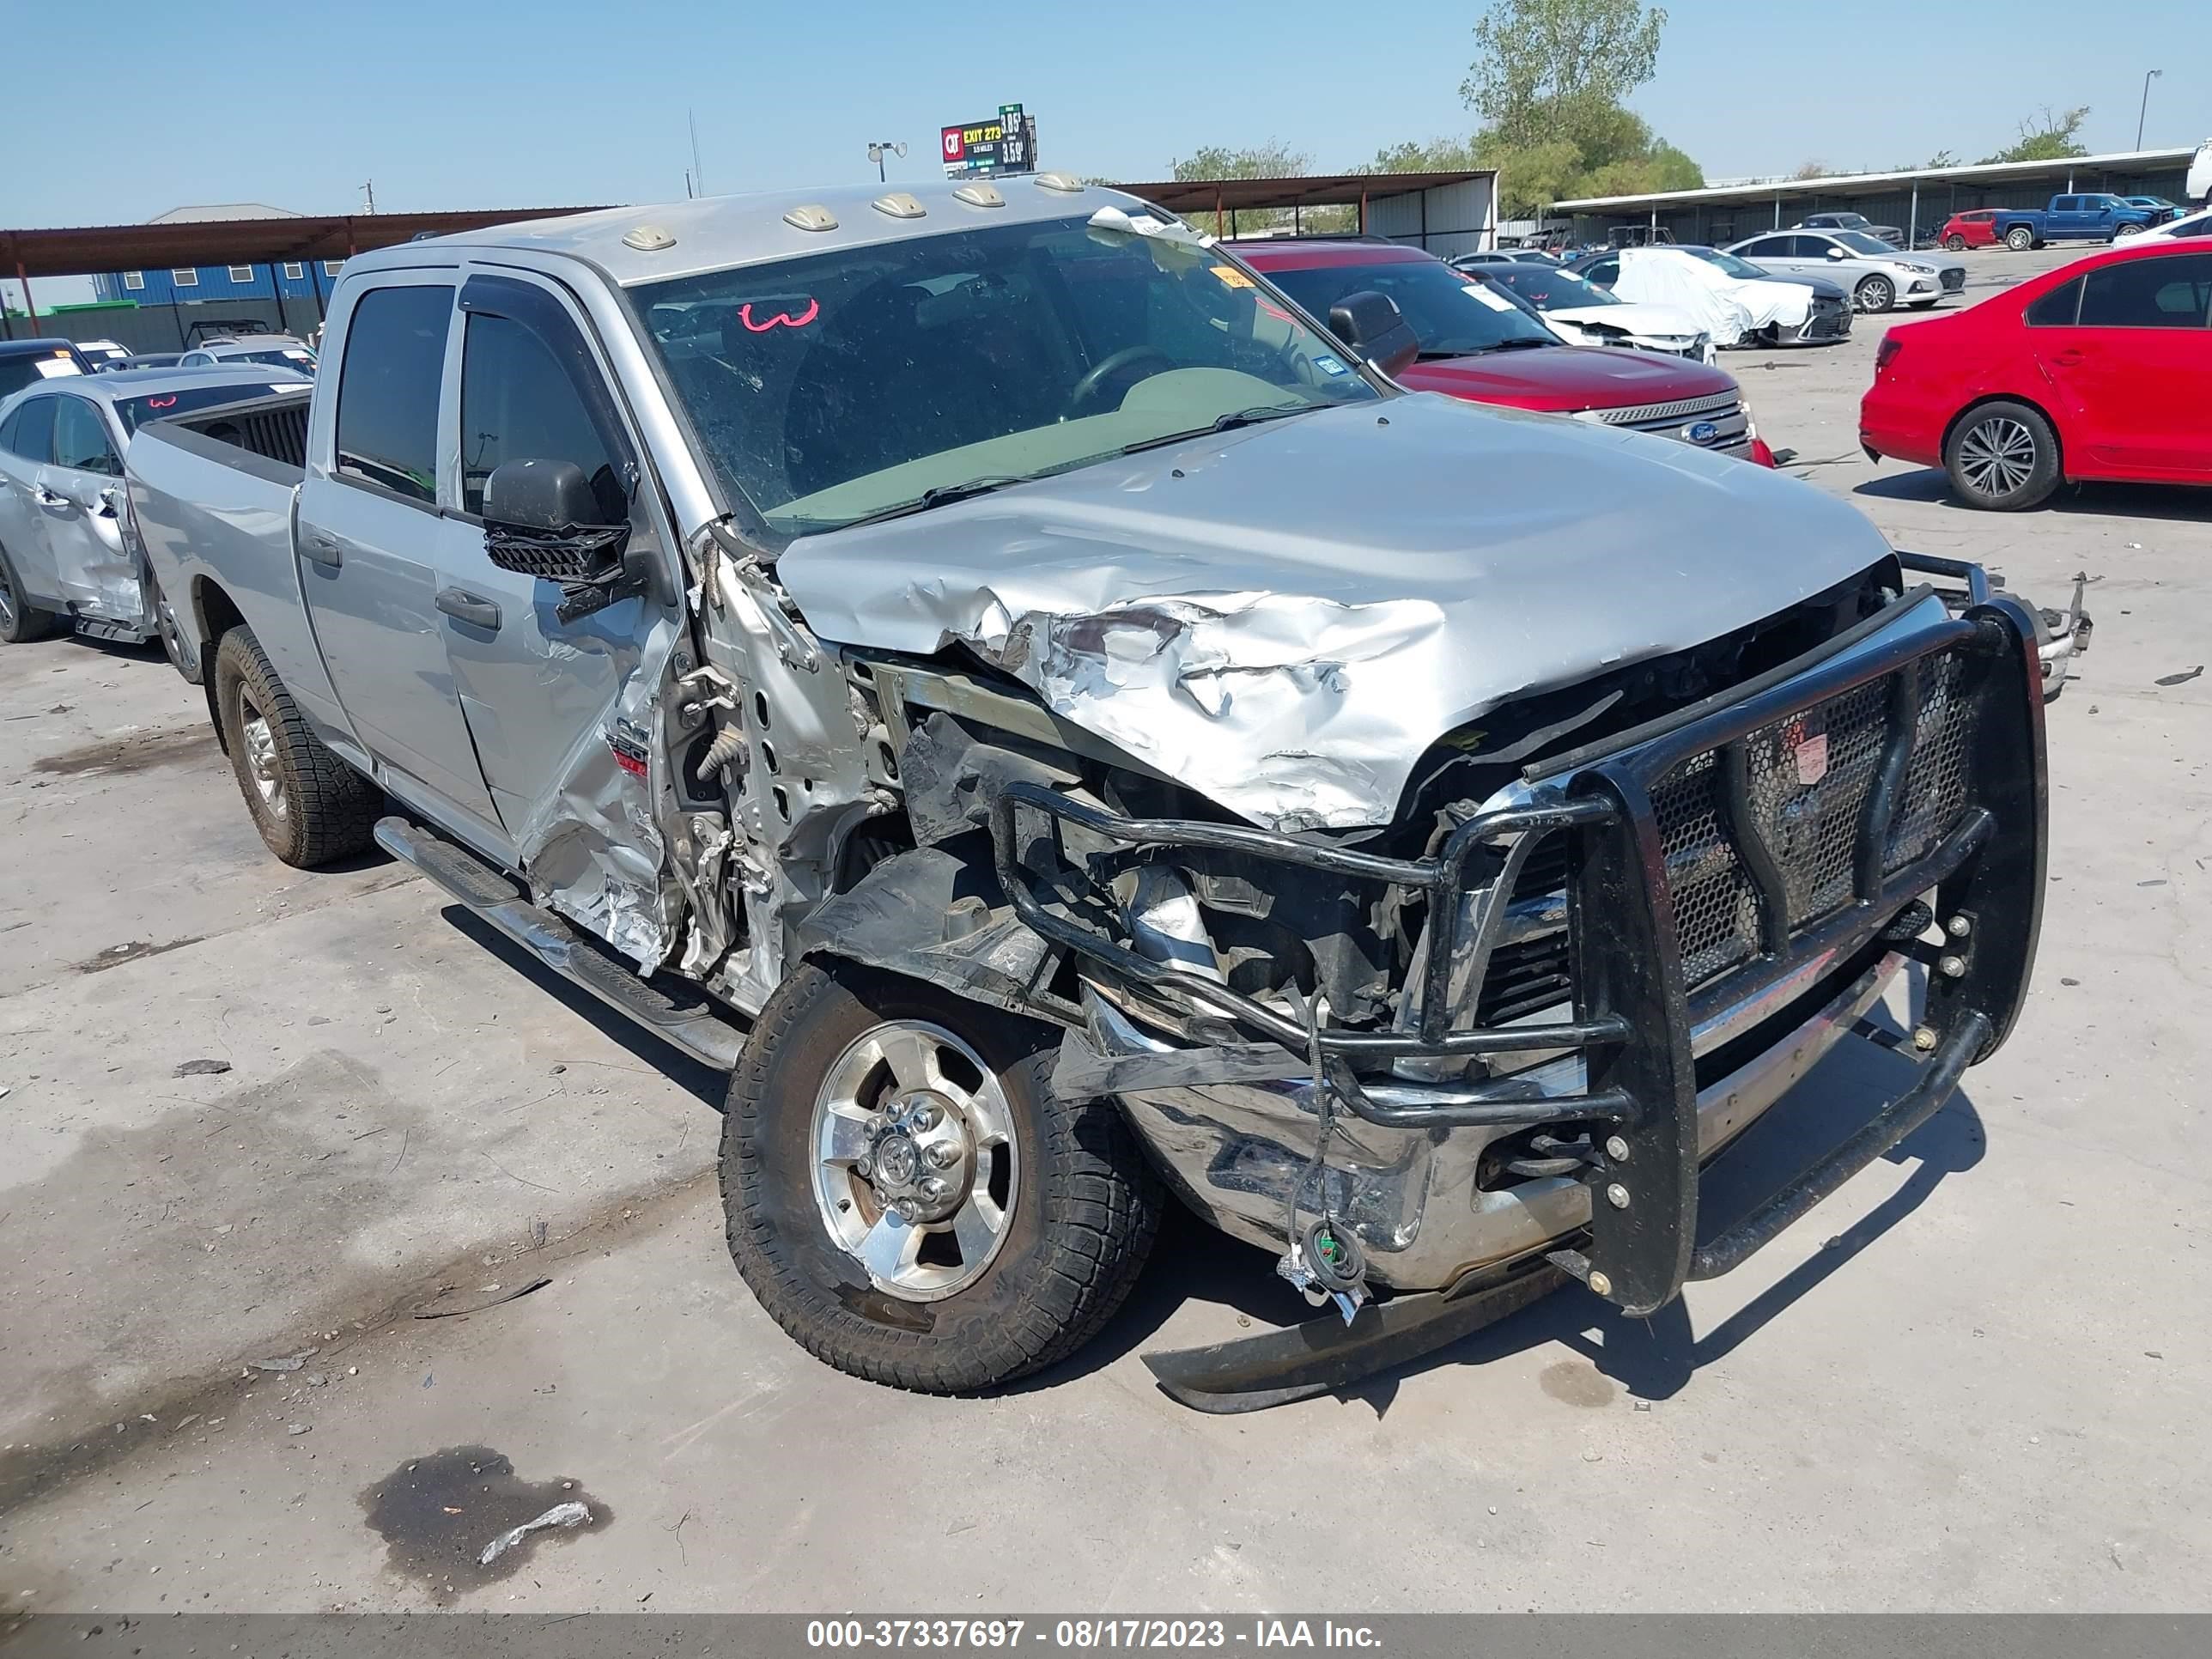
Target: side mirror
(545,519)
(1371,324)
(110,501)
(1834,253)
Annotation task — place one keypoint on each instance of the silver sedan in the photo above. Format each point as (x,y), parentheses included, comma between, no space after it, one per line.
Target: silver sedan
(1878,276)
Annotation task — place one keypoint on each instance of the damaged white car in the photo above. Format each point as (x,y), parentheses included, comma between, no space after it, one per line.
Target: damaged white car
(1065,730)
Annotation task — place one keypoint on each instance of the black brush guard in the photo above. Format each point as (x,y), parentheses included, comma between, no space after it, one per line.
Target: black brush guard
(1632,1014)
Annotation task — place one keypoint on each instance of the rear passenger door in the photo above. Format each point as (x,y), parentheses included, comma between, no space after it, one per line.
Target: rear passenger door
(2133,366)
(27,446)
(79,491)
(370,528)
(548,701)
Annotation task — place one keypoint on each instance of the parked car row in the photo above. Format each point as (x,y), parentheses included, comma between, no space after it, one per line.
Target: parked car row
(983,666)
(1735,302)
(2101,369)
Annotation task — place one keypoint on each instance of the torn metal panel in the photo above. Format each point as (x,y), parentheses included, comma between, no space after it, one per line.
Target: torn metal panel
(1284,617)
(931,915)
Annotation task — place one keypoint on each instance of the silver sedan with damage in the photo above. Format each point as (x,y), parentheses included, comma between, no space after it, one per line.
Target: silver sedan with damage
(66,555)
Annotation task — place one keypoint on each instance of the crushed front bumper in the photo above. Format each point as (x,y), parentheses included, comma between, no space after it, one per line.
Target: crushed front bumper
(1740,881)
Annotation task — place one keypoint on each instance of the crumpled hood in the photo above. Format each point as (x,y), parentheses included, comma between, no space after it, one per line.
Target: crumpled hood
(1285,618)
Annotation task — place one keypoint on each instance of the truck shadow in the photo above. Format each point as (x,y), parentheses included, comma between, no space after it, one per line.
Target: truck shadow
(710,1085)
(1651,1358)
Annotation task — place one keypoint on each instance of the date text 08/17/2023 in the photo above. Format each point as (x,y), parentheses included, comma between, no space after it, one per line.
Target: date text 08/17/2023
(1086,1633)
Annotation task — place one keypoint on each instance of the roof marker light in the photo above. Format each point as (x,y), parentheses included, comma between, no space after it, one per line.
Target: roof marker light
(899,204)
(648,239)
(811,217)
(980,194)
(1066,183)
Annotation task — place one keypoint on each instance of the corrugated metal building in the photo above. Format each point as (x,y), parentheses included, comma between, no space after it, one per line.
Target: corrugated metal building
(305,280)
(1920,197)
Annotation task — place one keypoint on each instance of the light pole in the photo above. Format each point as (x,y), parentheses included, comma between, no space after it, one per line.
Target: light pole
(2149,76)
(878,151)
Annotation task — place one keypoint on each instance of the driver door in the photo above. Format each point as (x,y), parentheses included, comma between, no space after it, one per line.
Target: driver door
(554,707)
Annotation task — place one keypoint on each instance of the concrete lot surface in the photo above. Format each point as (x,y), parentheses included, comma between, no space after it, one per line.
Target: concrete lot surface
(1972,1380)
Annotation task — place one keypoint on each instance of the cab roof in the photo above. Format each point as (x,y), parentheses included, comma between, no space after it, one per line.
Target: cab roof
(716,232)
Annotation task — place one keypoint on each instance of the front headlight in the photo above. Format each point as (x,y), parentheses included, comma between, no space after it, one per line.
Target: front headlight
(1750,424)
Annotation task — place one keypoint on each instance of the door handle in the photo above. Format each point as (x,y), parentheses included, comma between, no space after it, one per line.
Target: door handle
(47,498)
(319,548)
(2070,358)
(463,606)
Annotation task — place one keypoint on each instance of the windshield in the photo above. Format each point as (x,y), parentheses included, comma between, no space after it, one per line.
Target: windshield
(1547,287)
(850,384)
(1452,312)
(1859,241)
(1730,262)
(160,405)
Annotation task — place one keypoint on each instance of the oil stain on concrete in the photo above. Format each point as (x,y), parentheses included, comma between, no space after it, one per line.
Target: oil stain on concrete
(135,751)
(1576,1382)
(437,1514)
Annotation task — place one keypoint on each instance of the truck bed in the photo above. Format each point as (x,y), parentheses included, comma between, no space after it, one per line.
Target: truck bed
(212,497)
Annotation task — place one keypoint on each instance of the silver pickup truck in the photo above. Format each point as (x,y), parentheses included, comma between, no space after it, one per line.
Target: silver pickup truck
(1063,727)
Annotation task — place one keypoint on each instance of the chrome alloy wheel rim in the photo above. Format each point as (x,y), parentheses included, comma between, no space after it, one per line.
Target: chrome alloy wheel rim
(1998,456)
(261,756)
(916,1172)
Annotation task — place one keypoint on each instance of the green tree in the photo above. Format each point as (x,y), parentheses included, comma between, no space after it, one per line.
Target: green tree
(1273,160)
(2047,135)
(1541,59)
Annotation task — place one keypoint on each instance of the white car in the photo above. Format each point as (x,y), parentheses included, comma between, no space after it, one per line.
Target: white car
(2197,224)
(1582,313)
(1734,308)
(1877,275)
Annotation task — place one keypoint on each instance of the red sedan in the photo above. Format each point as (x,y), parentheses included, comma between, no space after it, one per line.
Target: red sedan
(2102,369)
(1480,343)
(1975,227)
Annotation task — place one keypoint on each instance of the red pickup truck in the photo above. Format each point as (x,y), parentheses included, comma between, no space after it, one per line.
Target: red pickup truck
(1479,345)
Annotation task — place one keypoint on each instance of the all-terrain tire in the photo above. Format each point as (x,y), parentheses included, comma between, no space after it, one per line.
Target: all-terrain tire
(2002,457)
(20,621)
(321,810)
(1085,1205)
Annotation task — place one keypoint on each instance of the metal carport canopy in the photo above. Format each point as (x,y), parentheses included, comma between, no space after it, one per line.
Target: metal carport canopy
(89,250)
(1187,196)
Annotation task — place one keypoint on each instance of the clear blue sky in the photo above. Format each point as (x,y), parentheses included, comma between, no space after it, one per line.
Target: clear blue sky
(561,102)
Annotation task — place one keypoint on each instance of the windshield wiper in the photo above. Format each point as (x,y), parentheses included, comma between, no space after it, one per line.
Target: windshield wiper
(1227,423)
(940,496)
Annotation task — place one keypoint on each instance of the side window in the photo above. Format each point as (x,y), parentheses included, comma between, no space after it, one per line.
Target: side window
(1766,247)
(31,430)
(518,403)
(80,439)
(1809,247)
(2057,308)
(395,356)
(2162,292)
(1605,273)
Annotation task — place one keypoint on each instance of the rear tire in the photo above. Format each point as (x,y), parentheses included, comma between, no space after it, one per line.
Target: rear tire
(1956,243)
(310,808)
(2020,239)
(20,621)
(175,646)
(2002,458)
(1875,294)
(956,1302)
(2121,232)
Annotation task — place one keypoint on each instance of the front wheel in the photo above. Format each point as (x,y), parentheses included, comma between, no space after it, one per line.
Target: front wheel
(2020,239)
(1876,293)
(908,1198)
(2002,457)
